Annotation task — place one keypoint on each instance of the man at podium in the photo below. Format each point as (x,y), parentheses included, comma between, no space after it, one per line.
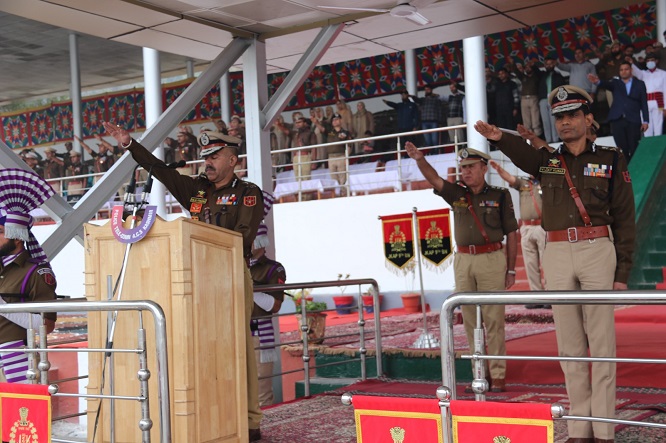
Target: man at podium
(219,197)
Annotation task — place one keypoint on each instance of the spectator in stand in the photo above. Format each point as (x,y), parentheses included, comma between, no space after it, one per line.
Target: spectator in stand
(343,109)
(329,113)
(101,161)
(32,160)
(430,106)
(281,131)
(220,125)
(579,70)
(408,114)
(319,129)
(655,83)
(186,149)
(76,187)
(237,123)
(66,155)
(609,66)
(456,114)
(549,81)
(507,100)
(54,168)
(368,146)
(661,53)
(303,158)
(529,95)
(337,164)
(491,85)
(629,117)
(362,122)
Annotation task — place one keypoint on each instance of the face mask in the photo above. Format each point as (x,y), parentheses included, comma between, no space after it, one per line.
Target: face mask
(651,65)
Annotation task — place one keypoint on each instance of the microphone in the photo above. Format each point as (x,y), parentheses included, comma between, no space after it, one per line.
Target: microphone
(149,181)
(131,187)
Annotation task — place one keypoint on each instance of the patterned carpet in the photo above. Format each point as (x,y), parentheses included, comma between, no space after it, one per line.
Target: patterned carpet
(324,419)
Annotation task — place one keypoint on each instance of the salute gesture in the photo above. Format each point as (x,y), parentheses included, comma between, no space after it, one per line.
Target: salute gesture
(491,132)
(413,151)
(120,134)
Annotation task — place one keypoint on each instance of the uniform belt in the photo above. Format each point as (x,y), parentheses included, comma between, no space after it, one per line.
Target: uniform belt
(532,222)
(572,235)
(480,249)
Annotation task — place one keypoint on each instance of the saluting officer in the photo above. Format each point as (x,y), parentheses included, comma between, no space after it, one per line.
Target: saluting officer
(218,197)
(587,195)
(483,215)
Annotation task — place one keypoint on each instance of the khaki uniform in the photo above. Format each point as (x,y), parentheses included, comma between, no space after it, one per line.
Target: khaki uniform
(600,175)
(41,286)
(532,235)
(238,206)
(266,272)
(482,272)
(336,155)
(301,159)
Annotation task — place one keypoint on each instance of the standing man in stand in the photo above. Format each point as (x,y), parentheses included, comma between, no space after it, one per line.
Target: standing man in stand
(587,197)
(217,197)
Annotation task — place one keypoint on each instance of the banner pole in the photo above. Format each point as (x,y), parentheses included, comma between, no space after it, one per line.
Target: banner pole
(426,340)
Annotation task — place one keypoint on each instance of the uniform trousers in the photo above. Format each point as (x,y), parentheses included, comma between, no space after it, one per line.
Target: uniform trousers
(253,410)
(549,129)
(337,167)
(586,266)
(533,243)
(265,385)
(529,108)
(484,273)
(302,166)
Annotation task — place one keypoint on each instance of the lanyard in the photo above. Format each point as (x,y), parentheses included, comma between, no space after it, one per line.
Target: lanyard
(479,225)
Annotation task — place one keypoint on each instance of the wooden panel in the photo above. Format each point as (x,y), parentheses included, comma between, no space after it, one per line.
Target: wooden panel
(194,271)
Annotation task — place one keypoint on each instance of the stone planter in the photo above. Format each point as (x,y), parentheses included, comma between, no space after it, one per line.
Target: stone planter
(316,322)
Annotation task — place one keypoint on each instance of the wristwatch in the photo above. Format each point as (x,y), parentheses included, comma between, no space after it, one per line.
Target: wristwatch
(511,271)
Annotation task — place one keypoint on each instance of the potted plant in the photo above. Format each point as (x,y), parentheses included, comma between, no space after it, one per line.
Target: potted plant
(343,303)
(369,300)
(315,319)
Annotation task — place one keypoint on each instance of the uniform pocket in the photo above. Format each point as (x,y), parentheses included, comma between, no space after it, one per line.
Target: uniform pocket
(595,192)
(492,218)
(553,189)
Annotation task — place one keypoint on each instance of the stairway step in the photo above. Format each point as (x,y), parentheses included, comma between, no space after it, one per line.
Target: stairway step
(643,286)
(657,259)
(653,274)
(660,243)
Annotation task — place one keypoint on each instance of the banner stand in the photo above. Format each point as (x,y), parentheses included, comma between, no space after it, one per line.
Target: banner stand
(426,340)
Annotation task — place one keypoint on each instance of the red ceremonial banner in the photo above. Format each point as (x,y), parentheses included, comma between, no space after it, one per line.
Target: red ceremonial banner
(435,235)
(500,422)
(398,239)
(397,419)
(26,413)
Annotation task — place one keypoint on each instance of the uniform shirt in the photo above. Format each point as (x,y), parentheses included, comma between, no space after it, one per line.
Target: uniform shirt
(103,162)
(493,207)
(77,169)
(52,169)
(41,287)
(530,198)
(334,136)
(238,205)
(601,177)
(267,272)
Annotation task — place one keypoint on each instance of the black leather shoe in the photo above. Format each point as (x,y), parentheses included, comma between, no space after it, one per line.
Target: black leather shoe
(533,306)
(580,440)
(254,434)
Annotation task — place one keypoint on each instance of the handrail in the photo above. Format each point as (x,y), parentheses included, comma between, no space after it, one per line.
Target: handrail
(544,298)
(361,322)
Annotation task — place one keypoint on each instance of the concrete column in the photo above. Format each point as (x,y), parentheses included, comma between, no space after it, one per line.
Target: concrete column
(152,80)
(661,20)
(475,90)
(411,78)
(189,65)
(225,98)
(75,91)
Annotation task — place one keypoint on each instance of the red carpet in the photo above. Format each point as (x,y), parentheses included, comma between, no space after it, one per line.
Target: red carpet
(640,332)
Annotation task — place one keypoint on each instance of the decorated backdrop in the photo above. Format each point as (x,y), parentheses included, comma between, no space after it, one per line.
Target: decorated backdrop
(350,80)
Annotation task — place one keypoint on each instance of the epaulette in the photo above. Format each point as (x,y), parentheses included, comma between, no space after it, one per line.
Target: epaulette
(609,148)
(497,188)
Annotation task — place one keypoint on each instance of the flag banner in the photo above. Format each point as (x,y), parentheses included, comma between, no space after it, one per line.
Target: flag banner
(26,413)
(435,237)
(398,240)
(475,421)
(397,419)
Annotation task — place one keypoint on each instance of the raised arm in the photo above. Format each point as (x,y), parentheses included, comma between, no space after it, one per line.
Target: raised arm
(510,179)
(426,168)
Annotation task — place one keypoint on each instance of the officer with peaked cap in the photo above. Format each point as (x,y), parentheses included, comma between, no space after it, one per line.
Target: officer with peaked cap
(25,272)
(483,215)
(587,196)
(219,197)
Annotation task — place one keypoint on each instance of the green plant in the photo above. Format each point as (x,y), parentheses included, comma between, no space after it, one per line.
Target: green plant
(310,305)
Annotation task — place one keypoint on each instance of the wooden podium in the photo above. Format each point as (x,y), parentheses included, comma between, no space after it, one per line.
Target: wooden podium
(195,272)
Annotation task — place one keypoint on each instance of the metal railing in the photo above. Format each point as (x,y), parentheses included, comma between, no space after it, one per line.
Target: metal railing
(521,298)
(38,373)
(305,340)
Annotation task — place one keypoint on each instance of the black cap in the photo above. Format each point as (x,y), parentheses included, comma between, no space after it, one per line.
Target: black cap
(336,115)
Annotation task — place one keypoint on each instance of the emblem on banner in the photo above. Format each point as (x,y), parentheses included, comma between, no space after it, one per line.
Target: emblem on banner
(23,430)
(397,434)
(501,439)
(398,240)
